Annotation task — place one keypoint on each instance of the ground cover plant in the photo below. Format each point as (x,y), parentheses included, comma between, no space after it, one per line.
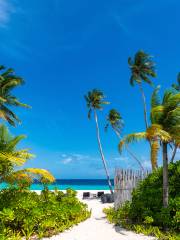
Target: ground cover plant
(145,213)
(25,213)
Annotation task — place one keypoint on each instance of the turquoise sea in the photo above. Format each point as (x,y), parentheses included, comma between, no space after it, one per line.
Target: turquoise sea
(76,184)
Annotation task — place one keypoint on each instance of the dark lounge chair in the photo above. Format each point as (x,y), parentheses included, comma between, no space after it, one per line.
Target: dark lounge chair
(107,198)
(99,194)
(86,195)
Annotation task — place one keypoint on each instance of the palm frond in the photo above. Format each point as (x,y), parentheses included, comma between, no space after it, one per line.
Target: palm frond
(95,100)
(133,137)
(142,68)
(155,99)
(43,175)
(10,157)
(9,81)
(13,143)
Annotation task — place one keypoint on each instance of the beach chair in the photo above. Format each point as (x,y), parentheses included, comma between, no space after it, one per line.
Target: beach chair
(99,194)
(86,195)
(107,198)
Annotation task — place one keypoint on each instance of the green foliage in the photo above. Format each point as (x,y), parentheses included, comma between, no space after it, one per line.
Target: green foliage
(25,213)
(8,82)
(145,213)
(114,120)
(147,199)
(119,217)
(11,157)
(142,68)
(95,100)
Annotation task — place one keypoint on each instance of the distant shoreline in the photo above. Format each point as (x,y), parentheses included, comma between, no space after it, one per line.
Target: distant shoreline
(76,184)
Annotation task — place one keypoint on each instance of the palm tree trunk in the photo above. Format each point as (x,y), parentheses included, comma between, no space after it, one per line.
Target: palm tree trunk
(165,176)
(145,115)
(144,104)
(154,153)
(174,153)
(129,151)
(101,152)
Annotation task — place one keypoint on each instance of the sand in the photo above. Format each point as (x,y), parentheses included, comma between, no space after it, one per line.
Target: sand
(97,227)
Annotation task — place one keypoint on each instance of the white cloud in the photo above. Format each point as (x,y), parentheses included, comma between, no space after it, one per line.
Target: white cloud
(68,158)
(6,9)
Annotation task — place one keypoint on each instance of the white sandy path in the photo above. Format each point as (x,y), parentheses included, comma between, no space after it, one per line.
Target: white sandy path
(97,227)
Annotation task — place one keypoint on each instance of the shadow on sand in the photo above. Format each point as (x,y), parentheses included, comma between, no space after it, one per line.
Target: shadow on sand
(120,230)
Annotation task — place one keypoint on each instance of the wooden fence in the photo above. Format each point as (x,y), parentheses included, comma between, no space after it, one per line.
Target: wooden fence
(124,183)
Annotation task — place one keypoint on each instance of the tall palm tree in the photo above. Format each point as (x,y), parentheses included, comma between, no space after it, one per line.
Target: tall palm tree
(142,68)
(95,101)
(9,81)
(11,158)
(115,120)
(154,133)
(166,113)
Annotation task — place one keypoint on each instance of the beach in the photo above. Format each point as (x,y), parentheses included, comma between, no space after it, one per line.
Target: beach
(97,226)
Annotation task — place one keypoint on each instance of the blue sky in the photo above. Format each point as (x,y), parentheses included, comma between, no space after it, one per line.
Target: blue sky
(65,48)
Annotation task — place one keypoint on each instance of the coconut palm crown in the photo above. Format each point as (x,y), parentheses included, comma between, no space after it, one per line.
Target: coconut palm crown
(142,68)
(166,112)
(95,100)
(8,82)
(115,120)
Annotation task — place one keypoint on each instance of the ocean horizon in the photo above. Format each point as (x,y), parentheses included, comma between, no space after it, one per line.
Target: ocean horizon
(76,184)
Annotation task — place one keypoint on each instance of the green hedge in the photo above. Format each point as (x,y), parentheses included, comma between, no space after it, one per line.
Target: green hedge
(25,213)
(146,211)
(147,199)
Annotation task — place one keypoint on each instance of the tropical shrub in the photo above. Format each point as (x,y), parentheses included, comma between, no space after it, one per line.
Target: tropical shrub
(145,212)
(147,199)
(25,213)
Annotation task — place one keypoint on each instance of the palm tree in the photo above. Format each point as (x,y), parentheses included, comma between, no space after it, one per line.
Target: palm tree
(115,120)
(166,113)
(142,68)
(9,81)
(11,158)
(154,133)
(95,101)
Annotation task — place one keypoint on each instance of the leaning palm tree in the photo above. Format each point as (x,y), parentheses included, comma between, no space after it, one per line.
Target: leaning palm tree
(142,68)
(11,157)
(115,120)
(153,134)
(166,113)
(9,81)
(95,101)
